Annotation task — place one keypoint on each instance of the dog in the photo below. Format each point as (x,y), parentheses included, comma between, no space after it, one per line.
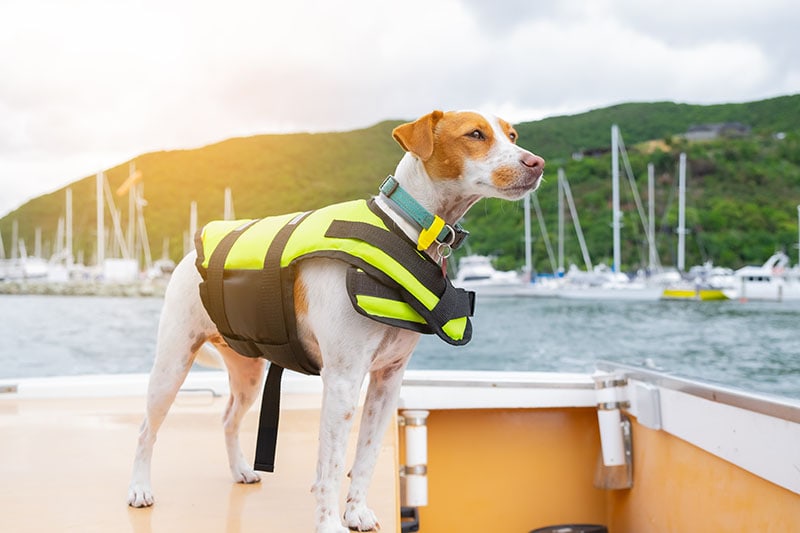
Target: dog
(452,160)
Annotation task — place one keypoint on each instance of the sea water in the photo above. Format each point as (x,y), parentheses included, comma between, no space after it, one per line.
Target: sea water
(751,345)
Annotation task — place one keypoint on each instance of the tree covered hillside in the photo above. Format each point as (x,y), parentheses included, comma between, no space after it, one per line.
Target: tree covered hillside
(742,192)
(742,198)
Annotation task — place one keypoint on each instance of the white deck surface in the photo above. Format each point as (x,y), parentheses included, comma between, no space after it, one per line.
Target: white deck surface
(65,465)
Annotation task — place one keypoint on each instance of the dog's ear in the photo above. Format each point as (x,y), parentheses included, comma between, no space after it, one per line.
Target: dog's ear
(417,137)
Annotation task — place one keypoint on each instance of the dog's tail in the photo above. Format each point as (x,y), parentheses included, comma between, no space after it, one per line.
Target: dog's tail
(209,357)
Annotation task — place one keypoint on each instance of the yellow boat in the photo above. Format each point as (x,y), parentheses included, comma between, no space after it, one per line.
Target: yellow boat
(693,293)
(627,449)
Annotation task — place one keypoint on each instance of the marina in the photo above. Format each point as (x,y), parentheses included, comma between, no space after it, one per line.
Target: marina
(615,347)
(659,400)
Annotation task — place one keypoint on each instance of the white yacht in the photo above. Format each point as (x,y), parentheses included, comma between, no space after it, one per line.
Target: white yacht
(773,281)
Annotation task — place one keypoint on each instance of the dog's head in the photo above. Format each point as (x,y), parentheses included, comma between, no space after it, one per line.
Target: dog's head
(478,150)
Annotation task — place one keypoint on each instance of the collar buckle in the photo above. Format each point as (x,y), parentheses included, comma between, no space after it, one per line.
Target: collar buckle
(459,236)
(389,186)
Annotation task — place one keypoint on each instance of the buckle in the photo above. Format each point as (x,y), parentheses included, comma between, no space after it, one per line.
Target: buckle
(459,236)
(388,186)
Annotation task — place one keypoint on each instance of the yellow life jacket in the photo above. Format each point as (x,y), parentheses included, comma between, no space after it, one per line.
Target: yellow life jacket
(248,268)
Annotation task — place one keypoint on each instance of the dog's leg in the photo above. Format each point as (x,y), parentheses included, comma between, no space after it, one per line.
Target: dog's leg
(182,329)
(173,361)
(381,401)
(339,402)
(246,375)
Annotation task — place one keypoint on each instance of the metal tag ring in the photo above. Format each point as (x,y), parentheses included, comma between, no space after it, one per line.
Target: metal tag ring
(449,242)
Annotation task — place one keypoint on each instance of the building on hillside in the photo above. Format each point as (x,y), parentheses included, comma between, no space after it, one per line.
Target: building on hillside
(591,152)
(707,132)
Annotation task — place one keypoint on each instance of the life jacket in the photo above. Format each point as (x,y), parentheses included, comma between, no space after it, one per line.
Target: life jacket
(248,269)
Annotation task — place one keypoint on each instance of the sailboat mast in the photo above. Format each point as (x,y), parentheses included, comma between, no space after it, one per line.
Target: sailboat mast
(616,215)
(561,221)
(528,260)
(682,213)
(37,243)
(228,210)
(68,230)
(14,240)
(651,214)
(192,221)
(101,238)
(131,209)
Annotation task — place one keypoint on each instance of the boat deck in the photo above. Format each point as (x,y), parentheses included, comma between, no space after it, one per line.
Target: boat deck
(66,464)
(517,451)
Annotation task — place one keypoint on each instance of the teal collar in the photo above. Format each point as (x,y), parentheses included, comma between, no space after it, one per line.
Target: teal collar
(432,227)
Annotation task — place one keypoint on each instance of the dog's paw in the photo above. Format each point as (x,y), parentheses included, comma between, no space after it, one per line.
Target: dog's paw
(140,496)
(331,526)
(361,518)
(244,474)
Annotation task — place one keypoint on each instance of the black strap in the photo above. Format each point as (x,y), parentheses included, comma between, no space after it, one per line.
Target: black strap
(453,302)
(267,439)
(216,272)
(272,313)
(271,295)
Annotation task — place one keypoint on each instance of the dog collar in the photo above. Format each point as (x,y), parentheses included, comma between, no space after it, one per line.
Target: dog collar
(432,227)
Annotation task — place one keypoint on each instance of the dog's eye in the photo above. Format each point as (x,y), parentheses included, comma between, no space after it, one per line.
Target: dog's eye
(477,134)
(513,136)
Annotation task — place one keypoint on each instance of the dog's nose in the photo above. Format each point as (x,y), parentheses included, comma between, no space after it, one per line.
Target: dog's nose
(533,162)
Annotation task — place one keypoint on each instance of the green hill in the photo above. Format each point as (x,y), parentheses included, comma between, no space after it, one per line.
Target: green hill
(558,137)
(268,174)
(742,198)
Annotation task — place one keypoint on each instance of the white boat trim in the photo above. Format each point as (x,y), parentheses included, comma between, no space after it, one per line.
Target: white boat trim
(214,382)
(774,406)
(426,389)
(756,432)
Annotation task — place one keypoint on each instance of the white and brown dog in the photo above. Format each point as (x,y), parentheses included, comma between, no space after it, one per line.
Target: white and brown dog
(453,160)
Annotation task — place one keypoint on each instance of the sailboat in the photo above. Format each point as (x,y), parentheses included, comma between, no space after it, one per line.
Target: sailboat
(21,266)
(704,283)
(604,283)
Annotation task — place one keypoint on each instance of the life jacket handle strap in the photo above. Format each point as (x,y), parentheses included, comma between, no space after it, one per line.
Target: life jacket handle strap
(267,439)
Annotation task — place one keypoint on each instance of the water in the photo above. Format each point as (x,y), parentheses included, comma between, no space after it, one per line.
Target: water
(751,345)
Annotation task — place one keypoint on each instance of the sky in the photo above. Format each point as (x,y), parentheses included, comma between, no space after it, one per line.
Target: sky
(89,84)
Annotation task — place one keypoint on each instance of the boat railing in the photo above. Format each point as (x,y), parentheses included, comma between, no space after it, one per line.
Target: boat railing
(771,405)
